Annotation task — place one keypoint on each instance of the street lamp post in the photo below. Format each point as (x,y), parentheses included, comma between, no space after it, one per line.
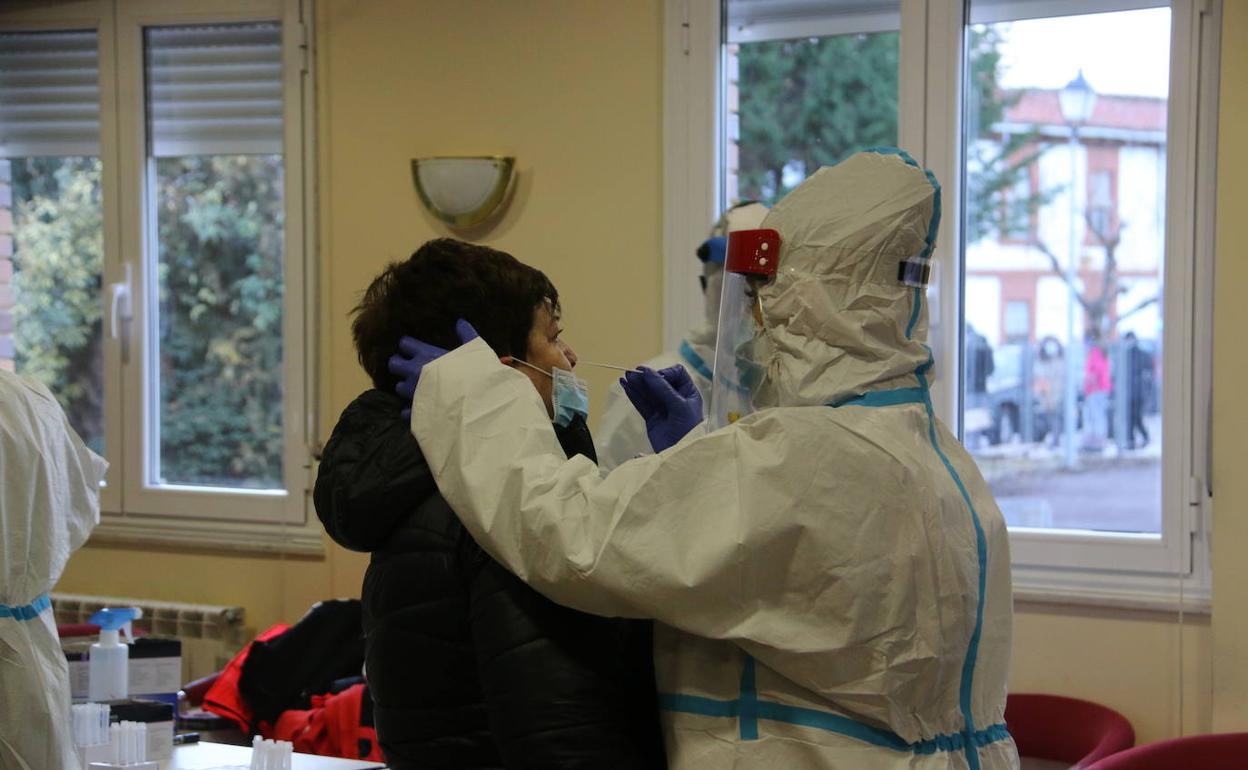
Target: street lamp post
(1076,100)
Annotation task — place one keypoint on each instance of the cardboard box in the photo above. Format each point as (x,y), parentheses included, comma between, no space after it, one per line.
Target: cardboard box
(155,668)
(159,718)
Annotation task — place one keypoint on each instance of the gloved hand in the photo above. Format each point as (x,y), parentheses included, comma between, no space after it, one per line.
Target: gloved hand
(414,355)
(667,400)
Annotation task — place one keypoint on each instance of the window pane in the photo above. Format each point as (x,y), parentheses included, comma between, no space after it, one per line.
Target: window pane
(51,238)
(795,105)
(1065,215)
(216,187)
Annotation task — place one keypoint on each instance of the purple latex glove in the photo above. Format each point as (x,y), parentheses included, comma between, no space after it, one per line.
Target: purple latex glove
(667,400)
(414,355)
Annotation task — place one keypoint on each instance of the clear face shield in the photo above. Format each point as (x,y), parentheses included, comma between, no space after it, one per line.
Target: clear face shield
(742,346)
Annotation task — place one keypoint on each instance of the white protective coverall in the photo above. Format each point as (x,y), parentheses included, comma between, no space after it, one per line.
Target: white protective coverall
(49,503)
(831,583)
(621,433)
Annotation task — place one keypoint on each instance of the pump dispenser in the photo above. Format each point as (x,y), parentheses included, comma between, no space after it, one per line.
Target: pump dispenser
(109,659)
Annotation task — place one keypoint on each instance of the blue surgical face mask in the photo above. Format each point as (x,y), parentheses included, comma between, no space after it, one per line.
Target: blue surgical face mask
(570,398)
(570,394)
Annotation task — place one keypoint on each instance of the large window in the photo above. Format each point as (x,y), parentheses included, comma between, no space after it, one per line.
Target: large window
(1085,419)
(1065,418)
(153,154)
(1074,140)
(214,122)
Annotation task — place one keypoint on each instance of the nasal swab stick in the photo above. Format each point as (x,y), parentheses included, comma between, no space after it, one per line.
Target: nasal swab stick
(607,366)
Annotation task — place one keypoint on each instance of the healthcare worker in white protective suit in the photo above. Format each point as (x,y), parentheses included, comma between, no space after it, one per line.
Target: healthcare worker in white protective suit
(49,503)
(829,573)
(621,433)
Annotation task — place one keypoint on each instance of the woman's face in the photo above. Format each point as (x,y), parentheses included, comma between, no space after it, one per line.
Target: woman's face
(546,351)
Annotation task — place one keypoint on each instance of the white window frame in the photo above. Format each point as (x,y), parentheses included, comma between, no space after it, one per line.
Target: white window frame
(136,510)
(1119,570)
(692,105)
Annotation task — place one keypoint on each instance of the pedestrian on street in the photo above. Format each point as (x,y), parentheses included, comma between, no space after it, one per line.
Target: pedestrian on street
(1096,386)
(1140,382)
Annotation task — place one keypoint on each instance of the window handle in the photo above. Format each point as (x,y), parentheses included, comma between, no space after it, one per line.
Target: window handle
(121,311)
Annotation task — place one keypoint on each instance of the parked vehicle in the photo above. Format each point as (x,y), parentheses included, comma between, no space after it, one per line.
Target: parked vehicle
(998,416)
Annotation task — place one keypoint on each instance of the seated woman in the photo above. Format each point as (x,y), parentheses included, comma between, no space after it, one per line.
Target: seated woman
(468,667)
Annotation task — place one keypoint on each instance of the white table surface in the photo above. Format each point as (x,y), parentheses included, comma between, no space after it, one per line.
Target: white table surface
(214,756)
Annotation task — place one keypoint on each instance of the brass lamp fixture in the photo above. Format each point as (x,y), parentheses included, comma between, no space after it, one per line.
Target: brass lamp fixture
(463,191)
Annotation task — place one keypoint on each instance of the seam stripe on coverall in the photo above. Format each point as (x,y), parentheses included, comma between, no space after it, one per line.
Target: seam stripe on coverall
(981,543)
(981,549)
(694,360)
(749,701)
(27,611)
(823,720)
(749,709)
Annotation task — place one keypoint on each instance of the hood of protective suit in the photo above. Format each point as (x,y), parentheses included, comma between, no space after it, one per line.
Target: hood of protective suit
(837,319)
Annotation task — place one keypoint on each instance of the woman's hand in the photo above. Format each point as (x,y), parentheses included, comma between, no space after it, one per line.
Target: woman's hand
(414,356)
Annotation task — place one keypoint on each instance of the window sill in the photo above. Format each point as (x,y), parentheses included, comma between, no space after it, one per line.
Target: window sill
(1152,593)
(304,541)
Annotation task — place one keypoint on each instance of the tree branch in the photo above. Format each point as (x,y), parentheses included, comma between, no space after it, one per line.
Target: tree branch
(1150,301)
(1057,268)
(1108,240)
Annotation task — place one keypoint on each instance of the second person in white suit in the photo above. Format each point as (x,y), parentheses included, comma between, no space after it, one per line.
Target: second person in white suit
(621,433)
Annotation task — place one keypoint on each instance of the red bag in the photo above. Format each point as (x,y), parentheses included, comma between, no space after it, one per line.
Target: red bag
(224,699)
(336,725)
(332,727)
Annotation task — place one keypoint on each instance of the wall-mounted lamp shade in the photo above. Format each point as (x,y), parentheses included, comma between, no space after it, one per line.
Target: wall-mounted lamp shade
(463,192)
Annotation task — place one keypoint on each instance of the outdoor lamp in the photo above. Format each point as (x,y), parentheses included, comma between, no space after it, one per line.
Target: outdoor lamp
(463,191)
(1077,100)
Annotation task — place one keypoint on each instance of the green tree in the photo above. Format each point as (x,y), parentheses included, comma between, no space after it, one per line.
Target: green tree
(996,163)
(57,256)
(811,102)
(221,286)
(219,250)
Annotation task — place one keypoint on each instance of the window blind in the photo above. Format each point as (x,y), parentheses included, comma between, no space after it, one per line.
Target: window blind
(49,94)
(214,89)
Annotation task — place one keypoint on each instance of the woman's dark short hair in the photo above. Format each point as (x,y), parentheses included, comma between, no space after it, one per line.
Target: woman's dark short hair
(442,281)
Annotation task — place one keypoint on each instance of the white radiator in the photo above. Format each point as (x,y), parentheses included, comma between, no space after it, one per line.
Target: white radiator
(211,635)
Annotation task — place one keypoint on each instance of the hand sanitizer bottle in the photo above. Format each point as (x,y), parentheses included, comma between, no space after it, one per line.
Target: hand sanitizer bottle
(109,659)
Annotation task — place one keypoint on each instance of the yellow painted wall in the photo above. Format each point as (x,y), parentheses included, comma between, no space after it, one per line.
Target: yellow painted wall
(1125,659)
(1230,372)
(573,90)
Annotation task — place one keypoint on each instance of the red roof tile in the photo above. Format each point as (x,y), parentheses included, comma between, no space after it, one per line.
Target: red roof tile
(1138,113)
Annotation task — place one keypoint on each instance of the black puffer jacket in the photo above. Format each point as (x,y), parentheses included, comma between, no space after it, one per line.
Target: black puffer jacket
(469,667)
